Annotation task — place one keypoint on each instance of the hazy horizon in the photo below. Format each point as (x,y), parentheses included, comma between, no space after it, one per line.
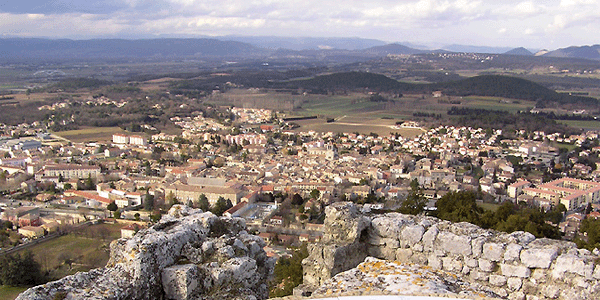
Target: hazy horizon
(533,24)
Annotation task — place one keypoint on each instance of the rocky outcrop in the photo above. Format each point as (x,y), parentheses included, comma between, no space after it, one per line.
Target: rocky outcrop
(375,276)
(187,255)
(511,266)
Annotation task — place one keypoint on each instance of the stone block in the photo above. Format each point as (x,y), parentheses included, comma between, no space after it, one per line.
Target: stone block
(418,247)
(455,244)
(551,291)
(514,283)
(515,271)
(538,257)
(404,255)
(391,243)
(572,264)
(180,281)
(517,296)
(471,262)
(478,275)
(512,253)
(412,234)
(452,264)
(597,272)
(497,280)
(477,246)
(493,251)
(435,262)
(486,265)
(429,238)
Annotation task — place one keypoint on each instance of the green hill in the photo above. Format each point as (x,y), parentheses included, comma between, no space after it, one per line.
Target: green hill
(485,85)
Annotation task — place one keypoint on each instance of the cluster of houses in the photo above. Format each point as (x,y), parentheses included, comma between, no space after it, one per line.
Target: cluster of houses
(320,167)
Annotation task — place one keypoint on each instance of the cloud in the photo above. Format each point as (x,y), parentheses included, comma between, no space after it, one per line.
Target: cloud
(571,21)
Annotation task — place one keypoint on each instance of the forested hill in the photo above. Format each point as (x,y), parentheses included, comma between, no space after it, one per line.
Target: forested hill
(350,81)
(509,87)
(485,85)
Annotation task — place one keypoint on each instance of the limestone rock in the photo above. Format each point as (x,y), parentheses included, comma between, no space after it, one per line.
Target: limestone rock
(385,277)
(538,258)
(174,259)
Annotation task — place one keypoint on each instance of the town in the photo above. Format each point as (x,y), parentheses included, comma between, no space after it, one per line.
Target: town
(279,179)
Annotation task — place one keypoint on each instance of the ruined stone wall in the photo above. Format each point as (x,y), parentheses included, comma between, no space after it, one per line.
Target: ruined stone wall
(187,255)
(513,266)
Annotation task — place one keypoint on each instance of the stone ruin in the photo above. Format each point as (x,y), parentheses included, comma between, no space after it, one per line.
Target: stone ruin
(187,255)
(509,266)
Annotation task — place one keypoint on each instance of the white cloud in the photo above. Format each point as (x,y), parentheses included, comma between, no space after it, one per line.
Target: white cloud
(445,21)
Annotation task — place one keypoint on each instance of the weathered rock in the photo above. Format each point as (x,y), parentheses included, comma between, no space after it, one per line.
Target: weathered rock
(515,271)
(497,280)
(147,265)
(384,277)
(514,266)
(412,234)
(493,251)
(573,264)
(538,257)
(453,243)
(180,281)
(514,283)
(513,253)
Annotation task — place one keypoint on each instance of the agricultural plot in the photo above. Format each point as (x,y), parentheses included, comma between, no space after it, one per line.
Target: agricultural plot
(90,134)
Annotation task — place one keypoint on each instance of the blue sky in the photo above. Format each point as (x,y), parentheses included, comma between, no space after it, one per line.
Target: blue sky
(536,24)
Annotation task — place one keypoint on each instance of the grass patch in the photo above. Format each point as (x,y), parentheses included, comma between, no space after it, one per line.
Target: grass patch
(590,125)
(87,248)
(11,292)
(90,134)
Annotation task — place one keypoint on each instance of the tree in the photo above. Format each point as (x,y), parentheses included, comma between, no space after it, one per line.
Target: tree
(18,270)
(288,273)
(297,199)
(112,207)
(203,203)
(137,216)
(221,206)
(117,214)
(414,204)
(89,183)
(148,202)
(315,194)
(68,186)
(459,207)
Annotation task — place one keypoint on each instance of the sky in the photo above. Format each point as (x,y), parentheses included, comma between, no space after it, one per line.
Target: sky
(534,24)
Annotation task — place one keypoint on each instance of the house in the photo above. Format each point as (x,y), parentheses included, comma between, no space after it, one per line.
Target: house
(130,230)
(276,220)
(32,232)
(22,216)
(236,210)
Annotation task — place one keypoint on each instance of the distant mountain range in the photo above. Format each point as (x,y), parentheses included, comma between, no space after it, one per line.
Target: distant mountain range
(586,52)
(343,49)
(305,43)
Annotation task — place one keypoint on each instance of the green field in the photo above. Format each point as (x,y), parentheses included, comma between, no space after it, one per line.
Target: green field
(87,248)
(90,134)
(495,103)
(589,125)
(10,292)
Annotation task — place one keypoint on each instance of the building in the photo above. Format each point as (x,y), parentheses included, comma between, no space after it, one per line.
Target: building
(119,138)
(138,140)
(572,193)
(517,188)
(67,171)
(31,232)
(185,193)
(22,216)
